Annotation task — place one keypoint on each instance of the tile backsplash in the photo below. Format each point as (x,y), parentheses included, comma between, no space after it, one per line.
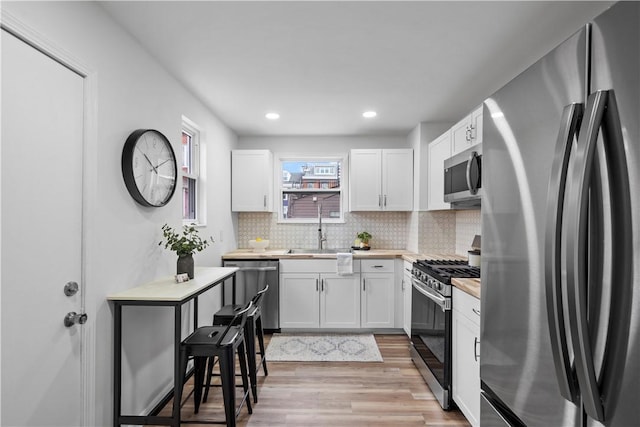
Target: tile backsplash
(468,224)
(442,232)
(389,230)
(437,232)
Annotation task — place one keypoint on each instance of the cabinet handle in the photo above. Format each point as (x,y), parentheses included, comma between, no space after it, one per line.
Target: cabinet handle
(322,285)
(364,285)
(476,341)
(264,201)
(476,311)
(402,285)
(467,134)
(317,288)
(385,200)
(377,266)
(379,200)
(471,129)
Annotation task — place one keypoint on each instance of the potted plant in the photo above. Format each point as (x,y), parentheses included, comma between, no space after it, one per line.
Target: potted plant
(184,244)
(363,238)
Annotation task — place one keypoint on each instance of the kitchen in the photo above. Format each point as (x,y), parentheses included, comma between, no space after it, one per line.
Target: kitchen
(144,94)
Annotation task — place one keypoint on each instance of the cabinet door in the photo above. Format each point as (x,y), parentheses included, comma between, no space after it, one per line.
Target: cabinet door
(397,180)
(460,135)
(251,181)
(377,300)
(299,300)
(365,180)
(438,151)
(476,126)
(466,366)
(339,301)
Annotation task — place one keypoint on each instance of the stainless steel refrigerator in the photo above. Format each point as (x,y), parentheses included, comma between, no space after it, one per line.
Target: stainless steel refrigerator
(560,326)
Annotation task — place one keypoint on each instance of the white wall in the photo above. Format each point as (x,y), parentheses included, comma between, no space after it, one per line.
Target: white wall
(133,92)
(419,139)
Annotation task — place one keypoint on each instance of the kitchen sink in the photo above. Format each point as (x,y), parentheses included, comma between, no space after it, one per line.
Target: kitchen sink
(318,251)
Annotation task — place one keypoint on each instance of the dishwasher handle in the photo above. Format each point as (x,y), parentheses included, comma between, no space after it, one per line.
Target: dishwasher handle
(251,268)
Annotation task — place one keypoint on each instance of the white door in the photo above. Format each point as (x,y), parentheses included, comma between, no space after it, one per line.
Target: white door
(42,143)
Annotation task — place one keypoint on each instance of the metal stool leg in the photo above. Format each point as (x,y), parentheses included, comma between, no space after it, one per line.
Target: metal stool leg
(228,377)
(250,338)
(242,356)
(260,333)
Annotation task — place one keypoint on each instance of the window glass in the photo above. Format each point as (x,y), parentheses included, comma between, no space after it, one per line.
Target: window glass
(190,174)
(310,188)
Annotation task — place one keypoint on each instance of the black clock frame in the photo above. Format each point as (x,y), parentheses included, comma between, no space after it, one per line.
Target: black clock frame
(127,167)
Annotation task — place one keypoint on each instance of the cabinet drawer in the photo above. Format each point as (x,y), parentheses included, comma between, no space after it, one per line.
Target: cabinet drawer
(313,266)
(377,265)
(467,305)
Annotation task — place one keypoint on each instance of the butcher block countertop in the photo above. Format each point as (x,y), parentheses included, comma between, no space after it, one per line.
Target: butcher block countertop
(240,254)
(470,286)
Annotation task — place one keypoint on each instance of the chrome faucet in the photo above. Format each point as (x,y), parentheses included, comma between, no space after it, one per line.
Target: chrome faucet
(321,237)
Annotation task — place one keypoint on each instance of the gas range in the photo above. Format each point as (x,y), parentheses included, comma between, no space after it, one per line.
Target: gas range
(432,324)
(437,274)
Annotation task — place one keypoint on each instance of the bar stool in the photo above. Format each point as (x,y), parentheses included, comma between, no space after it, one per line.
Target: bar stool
(209,342)
(252,328)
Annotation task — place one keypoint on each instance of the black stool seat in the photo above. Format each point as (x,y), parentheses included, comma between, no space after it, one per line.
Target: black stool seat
(252,329)
(223,342)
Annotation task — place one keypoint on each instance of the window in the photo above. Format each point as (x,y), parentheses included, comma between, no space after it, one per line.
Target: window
(191,181)
(310,187)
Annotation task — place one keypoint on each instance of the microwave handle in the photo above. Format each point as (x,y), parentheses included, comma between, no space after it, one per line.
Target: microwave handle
(473,158)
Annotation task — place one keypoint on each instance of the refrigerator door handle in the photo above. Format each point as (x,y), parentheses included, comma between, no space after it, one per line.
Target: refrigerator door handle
(565,374)
(601,113)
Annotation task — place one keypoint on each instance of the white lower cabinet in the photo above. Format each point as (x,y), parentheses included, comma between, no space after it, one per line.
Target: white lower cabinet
(466,355)
(313,296)
(377,298)
(406,297)
(339,301)
(299,300)
(321,299)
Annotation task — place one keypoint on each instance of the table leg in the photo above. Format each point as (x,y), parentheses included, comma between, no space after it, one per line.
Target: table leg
(177,384)
(117,363)
(233,290)
(195,313)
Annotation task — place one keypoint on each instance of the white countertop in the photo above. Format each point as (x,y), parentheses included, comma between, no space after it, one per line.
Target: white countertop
(166,288)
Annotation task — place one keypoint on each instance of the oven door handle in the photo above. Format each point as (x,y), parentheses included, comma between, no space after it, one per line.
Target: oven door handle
(443,303)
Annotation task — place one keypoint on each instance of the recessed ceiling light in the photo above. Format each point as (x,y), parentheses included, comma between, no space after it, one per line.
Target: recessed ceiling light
(369,114)
(272,116)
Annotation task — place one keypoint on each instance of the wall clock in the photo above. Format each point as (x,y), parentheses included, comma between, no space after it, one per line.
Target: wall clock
(149,167)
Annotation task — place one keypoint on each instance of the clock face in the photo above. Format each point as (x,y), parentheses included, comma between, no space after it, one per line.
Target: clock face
(149,167)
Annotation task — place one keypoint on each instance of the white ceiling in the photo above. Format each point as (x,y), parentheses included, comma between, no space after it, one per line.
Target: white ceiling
(321,64)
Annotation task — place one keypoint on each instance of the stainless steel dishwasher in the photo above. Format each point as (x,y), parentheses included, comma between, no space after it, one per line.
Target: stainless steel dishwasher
(249,280)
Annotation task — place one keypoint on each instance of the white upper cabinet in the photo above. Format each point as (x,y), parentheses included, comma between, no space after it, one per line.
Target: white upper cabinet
(381,180)
(438,151)
(251,181)
(365,183)
(467,132)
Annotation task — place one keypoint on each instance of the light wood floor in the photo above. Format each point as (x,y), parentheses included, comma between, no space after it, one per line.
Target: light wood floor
(391,393)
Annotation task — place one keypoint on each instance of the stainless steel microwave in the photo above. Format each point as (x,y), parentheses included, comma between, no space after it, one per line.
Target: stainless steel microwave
(463,178)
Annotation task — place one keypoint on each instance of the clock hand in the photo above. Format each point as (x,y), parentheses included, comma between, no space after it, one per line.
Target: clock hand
(151,164)
(162,163)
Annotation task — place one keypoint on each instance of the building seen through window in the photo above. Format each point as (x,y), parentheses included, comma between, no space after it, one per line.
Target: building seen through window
(308,186)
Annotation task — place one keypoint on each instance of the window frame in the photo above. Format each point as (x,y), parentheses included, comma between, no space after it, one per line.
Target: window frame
(280,190)
(197,171)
